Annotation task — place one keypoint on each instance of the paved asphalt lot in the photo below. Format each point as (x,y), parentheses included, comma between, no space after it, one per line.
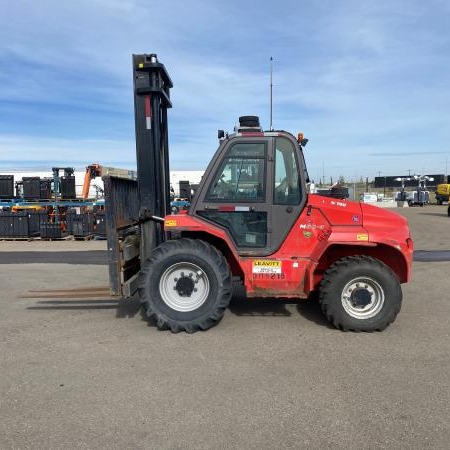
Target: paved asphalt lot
(88,372)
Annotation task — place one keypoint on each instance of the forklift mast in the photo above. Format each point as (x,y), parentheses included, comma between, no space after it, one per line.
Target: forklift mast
(151,99)
(135,208)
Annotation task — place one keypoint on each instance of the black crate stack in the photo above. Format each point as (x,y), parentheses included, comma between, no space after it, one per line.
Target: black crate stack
(100,223)
(45,191)
(70,214)
(51,230)
(6,186)
(67,184)
(83,225)
(185,190)
(41,216)
(31,188)
(19,224)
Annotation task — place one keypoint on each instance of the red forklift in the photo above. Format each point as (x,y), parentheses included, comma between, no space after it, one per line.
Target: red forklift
(251,220)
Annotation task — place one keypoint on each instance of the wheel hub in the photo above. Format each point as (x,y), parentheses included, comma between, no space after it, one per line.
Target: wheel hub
(184,286)
(362,298)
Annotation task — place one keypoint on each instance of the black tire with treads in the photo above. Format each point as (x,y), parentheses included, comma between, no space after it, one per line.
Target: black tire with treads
(360,293)
(179,262)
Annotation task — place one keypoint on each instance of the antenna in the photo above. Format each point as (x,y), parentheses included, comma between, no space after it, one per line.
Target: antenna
(271,92)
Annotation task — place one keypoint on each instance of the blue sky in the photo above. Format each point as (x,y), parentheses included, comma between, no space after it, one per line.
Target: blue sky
(367,82)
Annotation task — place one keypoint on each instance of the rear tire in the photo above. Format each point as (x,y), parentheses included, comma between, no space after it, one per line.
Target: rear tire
(186,285)
(360,293)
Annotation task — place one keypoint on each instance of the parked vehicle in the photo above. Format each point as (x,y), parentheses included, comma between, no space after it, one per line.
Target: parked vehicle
(417,198)
(251,220)
(442,193)
(369,197)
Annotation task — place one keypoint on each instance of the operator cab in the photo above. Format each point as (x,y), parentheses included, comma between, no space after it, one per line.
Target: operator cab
(254,187)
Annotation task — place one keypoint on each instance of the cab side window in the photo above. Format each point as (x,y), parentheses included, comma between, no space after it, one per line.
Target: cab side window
(241,176)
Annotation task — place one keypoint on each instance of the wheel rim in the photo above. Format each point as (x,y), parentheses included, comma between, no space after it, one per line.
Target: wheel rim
(362,298)
(184,287)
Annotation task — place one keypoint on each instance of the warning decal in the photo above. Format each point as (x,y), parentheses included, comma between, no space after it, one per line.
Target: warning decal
(266,266)
(170,223)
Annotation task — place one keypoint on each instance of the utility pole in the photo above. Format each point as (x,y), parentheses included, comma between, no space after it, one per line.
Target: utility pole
(271,93)
(323,171)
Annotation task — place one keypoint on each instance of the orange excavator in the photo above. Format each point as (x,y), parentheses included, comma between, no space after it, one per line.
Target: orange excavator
(92,171)
(96,170)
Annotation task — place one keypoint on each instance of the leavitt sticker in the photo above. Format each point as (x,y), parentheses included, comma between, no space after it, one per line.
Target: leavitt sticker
(362,237)
(170,223)
(266,266)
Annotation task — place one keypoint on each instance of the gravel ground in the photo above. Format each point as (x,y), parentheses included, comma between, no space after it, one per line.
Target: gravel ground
(81,370)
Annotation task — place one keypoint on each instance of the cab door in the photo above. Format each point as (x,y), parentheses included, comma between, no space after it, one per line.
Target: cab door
(287,188)
(252,189)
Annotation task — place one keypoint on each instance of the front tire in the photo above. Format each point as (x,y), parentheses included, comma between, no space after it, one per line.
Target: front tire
(360,293)
(186,285)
